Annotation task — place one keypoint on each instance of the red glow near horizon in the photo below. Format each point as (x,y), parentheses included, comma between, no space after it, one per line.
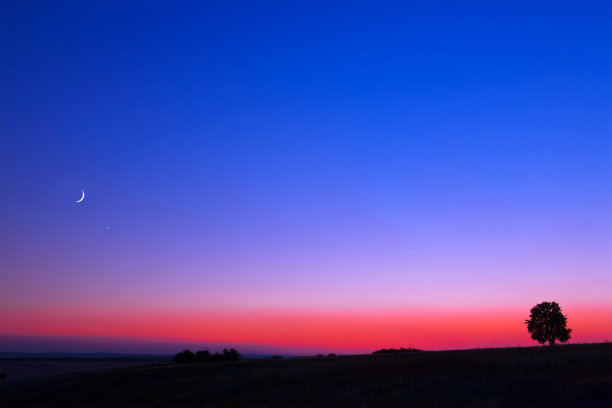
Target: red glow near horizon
(339,331)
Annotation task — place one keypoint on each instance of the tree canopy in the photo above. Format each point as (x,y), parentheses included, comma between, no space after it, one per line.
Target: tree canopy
(547,323)
(204,356)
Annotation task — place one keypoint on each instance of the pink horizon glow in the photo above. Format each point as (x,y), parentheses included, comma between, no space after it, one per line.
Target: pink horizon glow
(346,331)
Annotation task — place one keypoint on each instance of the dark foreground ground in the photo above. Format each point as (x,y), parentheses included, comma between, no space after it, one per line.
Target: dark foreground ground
(574,375)
(20,368)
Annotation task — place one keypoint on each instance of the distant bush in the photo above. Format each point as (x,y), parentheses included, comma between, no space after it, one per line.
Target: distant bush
(3,376)
(231,355)
(216,357)
(392,350)
(204,356)
(275,357)
(185,356)
(331,355)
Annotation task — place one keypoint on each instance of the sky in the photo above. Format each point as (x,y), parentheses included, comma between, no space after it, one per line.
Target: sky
(303,176)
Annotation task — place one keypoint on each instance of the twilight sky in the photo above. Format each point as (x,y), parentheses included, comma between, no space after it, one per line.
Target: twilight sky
(304,175)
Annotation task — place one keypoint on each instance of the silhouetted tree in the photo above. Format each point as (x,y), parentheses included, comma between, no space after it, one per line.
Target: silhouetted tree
(546,323)
(202,356)
(216,357)
(185,356)
(231,354)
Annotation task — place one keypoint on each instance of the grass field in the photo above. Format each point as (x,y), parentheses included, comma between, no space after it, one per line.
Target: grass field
(571,375)
(19,368)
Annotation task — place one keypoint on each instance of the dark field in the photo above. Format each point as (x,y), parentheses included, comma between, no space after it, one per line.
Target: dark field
(573,375)
(20,368)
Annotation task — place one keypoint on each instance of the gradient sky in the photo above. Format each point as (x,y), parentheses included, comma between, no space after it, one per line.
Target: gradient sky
(305,175)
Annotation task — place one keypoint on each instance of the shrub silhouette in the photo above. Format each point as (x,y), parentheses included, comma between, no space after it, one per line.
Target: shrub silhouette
(203,356)
(546,323)
(3,376)
(216,357)
(231,355)
(185,356)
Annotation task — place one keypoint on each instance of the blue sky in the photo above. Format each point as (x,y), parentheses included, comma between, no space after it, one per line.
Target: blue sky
(461,146)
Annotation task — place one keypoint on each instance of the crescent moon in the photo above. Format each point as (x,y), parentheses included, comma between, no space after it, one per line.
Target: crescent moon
(82,197)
